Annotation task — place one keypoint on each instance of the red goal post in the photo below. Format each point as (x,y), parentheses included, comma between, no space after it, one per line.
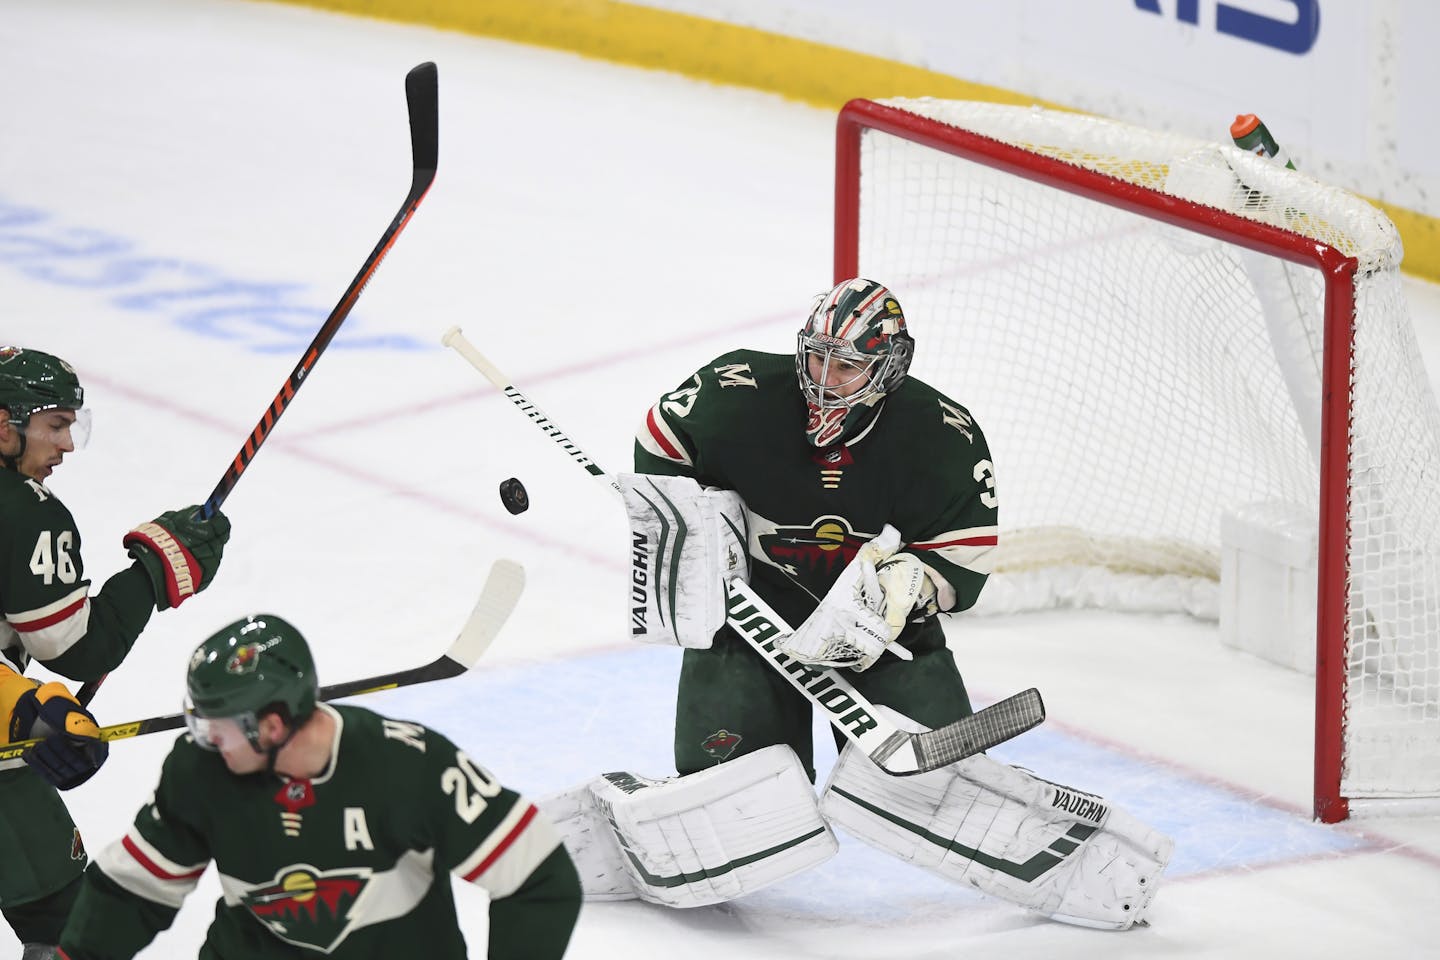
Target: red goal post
(1229,337)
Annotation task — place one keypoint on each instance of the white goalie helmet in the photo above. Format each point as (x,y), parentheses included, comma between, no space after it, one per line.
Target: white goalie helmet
(853,350)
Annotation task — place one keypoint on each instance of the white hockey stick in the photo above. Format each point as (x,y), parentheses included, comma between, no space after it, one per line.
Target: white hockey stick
(498,597)
(898,752)
(895,751)
(455,339)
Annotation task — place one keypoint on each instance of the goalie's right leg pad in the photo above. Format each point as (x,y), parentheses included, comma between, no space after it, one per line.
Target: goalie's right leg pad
(1068,855)
(690,841)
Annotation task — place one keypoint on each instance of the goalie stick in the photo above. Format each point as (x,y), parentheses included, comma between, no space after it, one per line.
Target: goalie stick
(422,100)
(898,752)
(498,597)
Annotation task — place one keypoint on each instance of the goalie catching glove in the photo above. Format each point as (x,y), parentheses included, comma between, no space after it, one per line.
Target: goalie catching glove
(866,608)
(71,749)
(179,553)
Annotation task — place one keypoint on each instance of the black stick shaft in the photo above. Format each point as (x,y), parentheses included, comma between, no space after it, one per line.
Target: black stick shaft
(422,99)
(422,96)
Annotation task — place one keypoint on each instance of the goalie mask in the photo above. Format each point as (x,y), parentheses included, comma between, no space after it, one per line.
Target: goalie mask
(852,352)
(252,667)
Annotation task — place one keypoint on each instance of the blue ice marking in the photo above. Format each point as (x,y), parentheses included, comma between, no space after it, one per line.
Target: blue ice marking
(261,317)
(551,725)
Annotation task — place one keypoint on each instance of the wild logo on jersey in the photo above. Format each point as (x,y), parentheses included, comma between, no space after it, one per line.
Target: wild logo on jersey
(309,907)
(721,744)
(814,555)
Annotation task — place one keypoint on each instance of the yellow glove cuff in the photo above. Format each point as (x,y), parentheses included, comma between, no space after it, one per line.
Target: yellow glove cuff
(75,721)
(13,686)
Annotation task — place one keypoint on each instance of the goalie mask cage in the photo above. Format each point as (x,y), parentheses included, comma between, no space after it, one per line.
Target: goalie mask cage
(1154,331)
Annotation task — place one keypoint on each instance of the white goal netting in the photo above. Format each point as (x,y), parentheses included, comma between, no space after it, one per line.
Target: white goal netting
(1137,379)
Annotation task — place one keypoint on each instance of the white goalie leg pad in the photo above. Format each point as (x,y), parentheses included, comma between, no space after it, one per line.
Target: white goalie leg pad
(1066,854)
(591,843)
(685,542)
(691,841)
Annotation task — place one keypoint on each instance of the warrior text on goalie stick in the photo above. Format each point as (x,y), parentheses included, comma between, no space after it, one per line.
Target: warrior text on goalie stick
(894,750)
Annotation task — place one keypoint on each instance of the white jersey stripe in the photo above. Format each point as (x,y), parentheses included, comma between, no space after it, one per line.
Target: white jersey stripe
(657,439)
(134,864)
(512,851)
(972,548)
(49,631)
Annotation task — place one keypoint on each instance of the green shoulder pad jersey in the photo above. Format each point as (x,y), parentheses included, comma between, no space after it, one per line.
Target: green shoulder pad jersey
(46,611)
(354,863)
(922,466)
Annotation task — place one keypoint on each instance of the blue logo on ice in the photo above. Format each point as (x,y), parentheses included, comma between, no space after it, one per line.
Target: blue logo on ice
(255,315)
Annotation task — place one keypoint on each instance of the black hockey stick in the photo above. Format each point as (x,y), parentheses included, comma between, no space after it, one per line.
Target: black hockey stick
(422,98)
(421,94)
(498,597)
(895,751)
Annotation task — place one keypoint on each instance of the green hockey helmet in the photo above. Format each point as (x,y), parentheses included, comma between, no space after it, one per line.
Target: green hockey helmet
(32,381)
(852,352)
(252,667)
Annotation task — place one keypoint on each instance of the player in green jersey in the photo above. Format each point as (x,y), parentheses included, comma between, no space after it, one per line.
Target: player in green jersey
(865,503)
(47,614)
(826,446)
(334,830)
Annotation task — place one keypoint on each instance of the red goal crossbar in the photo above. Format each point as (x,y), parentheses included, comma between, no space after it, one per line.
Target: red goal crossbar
(861,116)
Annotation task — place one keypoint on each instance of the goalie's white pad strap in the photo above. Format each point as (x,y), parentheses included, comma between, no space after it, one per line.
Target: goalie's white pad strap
(1069,855)
(685,542)
(690,841)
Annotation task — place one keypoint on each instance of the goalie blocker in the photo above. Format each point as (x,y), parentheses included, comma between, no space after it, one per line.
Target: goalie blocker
(685,542)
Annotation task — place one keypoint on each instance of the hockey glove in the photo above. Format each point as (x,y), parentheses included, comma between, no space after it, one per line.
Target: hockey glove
(849,628)
(71,750)
(179,553)
(908,589)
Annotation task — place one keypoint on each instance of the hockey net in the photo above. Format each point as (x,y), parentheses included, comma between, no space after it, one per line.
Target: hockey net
(1154,331)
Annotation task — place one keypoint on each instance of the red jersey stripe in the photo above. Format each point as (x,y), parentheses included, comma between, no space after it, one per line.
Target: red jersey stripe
(658,436)
(64,613)
(503,845)
(987,541)
(154,868)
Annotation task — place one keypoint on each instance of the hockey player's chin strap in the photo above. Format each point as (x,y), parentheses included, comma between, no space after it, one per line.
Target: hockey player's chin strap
(272,752)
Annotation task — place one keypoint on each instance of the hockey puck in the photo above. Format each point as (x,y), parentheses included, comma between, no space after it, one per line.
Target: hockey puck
(513,495)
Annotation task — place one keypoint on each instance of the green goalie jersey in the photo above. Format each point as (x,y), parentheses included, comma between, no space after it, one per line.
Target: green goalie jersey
(354,863)
(922,466)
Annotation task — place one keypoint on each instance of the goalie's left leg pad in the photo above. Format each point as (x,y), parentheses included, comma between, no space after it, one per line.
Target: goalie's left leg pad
(1068,855)
(690,841)
(590,841)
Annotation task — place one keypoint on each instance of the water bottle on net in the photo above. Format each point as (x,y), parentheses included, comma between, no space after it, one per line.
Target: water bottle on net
(1250,134)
